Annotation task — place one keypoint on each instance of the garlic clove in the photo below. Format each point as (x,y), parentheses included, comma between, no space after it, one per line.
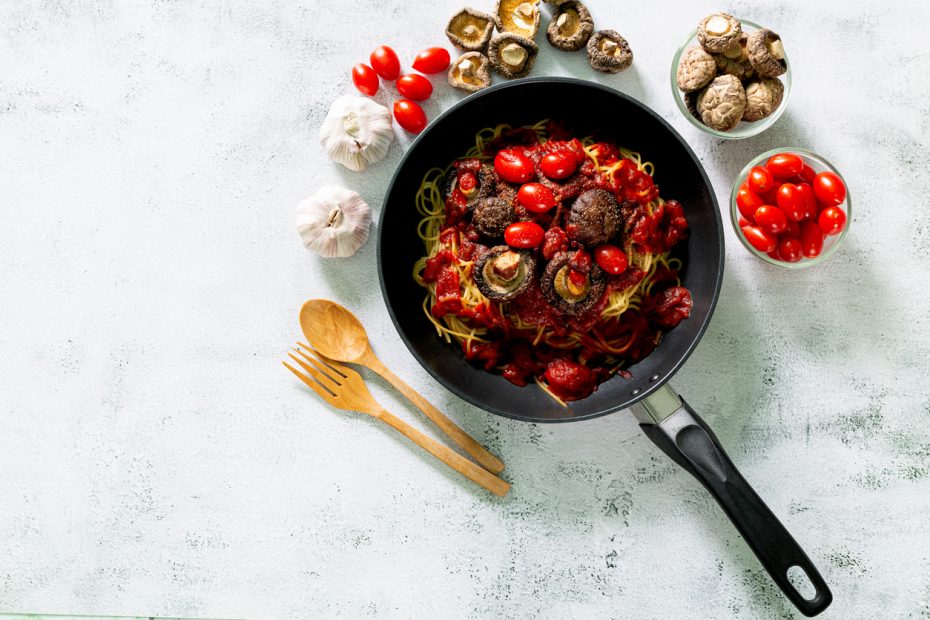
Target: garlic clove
(356,132)
(333,222)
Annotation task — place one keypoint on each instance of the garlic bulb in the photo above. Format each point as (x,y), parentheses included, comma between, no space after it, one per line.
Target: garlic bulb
(333,222)
(356,132)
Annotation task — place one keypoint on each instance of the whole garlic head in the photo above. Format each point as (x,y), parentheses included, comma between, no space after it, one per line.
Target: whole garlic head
(333,222)
(356,132)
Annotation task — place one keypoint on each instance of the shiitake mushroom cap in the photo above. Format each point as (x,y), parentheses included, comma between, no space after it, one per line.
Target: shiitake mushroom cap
(547,284)
(696,68)
(505,20)
(712,39)
(609,61)
(506,45)
(492,216)
(722,103)
(485,281)
(577,27)
(487,183)
(762,98)
(766,53)
(594,218)
(482,23)
(477,64)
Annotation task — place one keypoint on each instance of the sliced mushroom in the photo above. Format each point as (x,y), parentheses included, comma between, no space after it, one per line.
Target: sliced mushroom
(721,105)
(470,72)
(766,53)
(594,218)
(520,17)
(696,69)
(762,98)
(512,55)
(492,216)
(609,52)
(469,30)
(503,273)
(717,32)
(570,27)
(565,295)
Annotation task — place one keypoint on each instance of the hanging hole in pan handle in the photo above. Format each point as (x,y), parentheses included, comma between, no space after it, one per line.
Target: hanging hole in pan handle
(798,578)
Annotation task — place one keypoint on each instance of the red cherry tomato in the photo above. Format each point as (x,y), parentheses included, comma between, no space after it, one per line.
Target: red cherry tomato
(577,278)
(807,175)
(832,220)
(793,230)
(536,197)
(413,86)
(743,221)
(467,181)
(558,165)
(760,239)
(771,219)
(760,180)
(365,80)
(385,62)
(409,115)
(513,166)
(810,203)
(811,239)
(785,165)
(611,259)
(747,201)
(432,60)
(791,202)
(524,235)
(829,189)
(789,249)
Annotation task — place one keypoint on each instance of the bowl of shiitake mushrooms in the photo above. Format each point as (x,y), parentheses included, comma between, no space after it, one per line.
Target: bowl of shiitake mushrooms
(731,77)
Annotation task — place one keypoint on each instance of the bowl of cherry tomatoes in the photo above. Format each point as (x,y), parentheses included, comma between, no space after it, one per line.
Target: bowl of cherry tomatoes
(790,208)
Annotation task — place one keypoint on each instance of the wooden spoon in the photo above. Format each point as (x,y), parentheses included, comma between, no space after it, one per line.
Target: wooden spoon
(336,333)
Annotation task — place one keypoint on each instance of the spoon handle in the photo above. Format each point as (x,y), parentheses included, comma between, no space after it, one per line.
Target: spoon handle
(463,439)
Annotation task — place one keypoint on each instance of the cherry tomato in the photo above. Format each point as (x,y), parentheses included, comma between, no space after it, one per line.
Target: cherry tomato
(536,197)
(513,166)
(524,235)
(413,86)
(409,115)
(829,188)
(810,203)
(577,278)
(811,239)
(771,219)
(385,62)
(743,221)
(807,175)
(832,220)
(747,201)
(791,202)
(365,80)
(760,239)
(789,249)
(785,165)
(558,165)
(467,181)
(760,180)
(793,230)
(432,60)
(611,259)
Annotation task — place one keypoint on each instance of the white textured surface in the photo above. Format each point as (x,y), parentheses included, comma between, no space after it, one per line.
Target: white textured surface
(157,458)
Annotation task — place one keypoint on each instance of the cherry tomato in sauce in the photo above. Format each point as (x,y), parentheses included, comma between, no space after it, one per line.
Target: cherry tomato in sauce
(771,219)
(611,259)
(432,60)
(811,239)
(524,235)
(513,166)
(365,80)
(558,165)
(536,197)
(832,220)
(760,180)
(829,189)
(413,86)
(789,249)
(747,201)
(577,278)
(784,165)
(409,115)
(791,202)
(810,203)
(760,239)
(385,62)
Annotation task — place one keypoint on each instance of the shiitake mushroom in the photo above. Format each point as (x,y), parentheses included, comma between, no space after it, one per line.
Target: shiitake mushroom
(762,98)
(717,32)
(503,273)
(594,218)
(469,30)
(492,216)
(609,52)
(722,103)
(563,294)
(470,72)
(512,55)
(766,53)
(520,17)
(695,69)
(485,187)
(571,27)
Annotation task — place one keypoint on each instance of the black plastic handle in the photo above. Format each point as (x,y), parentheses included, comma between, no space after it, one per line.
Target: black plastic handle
(689,442)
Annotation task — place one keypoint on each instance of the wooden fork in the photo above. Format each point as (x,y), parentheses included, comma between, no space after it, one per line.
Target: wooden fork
(344,388)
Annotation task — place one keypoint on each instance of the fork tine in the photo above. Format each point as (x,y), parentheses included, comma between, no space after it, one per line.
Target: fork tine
(313,385)
(339,367)
(317,373)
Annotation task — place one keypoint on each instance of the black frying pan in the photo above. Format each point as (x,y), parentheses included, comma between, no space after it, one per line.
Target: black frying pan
(663,415)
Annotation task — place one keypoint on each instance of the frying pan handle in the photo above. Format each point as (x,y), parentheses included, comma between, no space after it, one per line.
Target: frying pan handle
(685,437)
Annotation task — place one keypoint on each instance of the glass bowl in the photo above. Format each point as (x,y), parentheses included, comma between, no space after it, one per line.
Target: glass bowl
(818,164)
(745,129)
